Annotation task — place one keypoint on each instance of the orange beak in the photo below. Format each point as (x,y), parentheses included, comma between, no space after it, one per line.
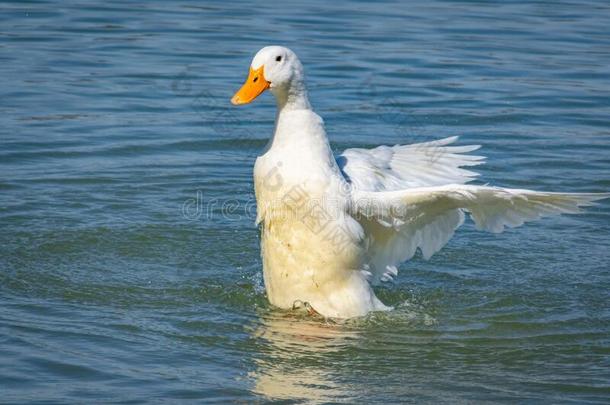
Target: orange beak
(255,84)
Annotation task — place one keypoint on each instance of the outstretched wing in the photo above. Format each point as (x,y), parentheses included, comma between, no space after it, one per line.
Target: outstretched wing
(400,167)
(426,217)
(405,166)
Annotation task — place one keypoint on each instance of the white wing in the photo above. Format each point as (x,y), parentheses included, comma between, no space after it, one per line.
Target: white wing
(399,222)
(402,167)
(405,166)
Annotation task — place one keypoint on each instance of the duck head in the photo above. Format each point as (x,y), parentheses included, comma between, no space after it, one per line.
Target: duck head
(278,69)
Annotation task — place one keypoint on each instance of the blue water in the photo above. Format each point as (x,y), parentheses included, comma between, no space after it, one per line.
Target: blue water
(122,281)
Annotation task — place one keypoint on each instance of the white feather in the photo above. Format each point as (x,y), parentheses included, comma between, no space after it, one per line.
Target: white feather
(402,167)
(430,215)
(405,166)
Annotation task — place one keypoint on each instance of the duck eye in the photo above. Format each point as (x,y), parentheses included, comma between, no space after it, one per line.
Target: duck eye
(278,58)
(255,79)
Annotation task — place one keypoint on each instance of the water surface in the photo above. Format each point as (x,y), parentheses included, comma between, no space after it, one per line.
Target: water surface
(121,281)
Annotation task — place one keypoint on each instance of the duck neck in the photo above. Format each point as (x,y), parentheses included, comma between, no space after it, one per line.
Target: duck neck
(294,112)
(292,97)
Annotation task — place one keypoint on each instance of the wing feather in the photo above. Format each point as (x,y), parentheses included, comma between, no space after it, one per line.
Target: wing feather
(404,166)
(426,218)
(410,197)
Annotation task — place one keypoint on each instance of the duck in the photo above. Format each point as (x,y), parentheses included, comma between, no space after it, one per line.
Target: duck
(333,227)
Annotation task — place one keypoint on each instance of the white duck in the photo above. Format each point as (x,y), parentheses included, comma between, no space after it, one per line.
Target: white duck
(332,227)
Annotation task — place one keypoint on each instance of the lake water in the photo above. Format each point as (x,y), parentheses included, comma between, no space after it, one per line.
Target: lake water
(129,261)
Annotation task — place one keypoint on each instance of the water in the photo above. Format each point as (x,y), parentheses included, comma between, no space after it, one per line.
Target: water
(116,285)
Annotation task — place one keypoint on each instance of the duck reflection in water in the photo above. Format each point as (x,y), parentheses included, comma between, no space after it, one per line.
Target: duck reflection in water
(298,356)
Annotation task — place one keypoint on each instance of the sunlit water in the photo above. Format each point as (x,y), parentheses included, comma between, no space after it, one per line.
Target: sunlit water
(122,280)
